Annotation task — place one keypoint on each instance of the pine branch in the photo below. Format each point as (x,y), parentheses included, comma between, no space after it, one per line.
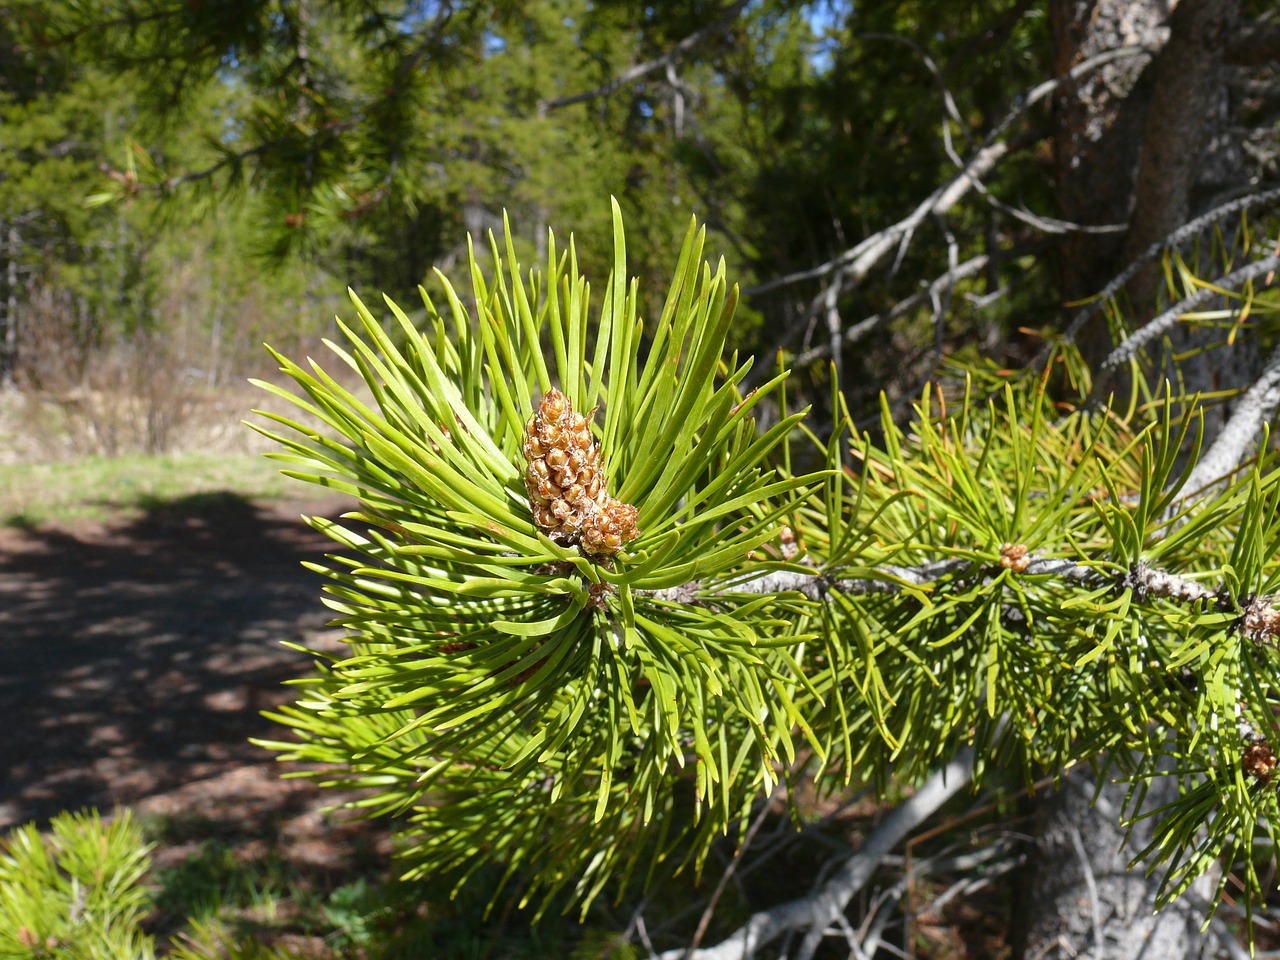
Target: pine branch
(822,907)
(633,73)
(1143,579)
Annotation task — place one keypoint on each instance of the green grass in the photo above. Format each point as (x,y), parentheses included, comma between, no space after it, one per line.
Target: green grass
(239,903)
(102,488)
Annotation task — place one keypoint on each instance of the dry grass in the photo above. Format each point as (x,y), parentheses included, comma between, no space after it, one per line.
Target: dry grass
(102,488)
(53,471)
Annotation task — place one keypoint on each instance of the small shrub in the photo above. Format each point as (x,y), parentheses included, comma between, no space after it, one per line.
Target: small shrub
(75,893)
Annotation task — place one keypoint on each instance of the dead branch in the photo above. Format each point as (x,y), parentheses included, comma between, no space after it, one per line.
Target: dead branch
(827,904)
(855,264)
(1129,348)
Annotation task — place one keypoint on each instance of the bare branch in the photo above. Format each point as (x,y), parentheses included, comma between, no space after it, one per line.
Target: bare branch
(948,100)
(1235,441)
(856,262)
(929,294)
(1047,224)
(1189,230)
(831,307)
(1128,348)
(825,905)
(857,331)
(941,299)
(1091,884)
(633,73)
(705,920)
(1039,222)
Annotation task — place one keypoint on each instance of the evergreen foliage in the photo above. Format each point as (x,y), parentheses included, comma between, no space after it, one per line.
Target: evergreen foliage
(77,893)
(540,689)
(1003,570)
(1009,571)
(80,891)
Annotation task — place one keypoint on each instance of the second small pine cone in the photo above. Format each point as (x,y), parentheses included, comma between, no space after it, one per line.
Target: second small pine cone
(566,485)
(609,527)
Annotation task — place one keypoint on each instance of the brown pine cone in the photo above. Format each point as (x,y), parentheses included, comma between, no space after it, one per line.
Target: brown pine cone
(565,484)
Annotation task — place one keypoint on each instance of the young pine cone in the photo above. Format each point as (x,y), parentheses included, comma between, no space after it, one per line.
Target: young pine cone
(565,484)
(1259,760)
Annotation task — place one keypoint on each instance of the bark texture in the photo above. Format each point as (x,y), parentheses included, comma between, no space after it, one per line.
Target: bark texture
(1147,141)
(1190,152)
(1098,125)
(1079,900)
(1185,138)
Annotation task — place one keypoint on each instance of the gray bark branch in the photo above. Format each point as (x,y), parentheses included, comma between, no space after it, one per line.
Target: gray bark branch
(1162,325)
(825,905)
(890,579)
(1235,441)
(853,265)
(1188,231)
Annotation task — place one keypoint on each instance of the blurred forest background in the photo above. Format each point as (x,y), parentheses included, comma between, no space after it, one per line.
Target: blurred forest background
(900,187)
(181,180)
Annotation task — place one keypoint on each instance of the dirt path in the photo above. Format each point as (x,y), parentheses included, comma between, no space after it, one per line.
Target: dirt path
(136,658)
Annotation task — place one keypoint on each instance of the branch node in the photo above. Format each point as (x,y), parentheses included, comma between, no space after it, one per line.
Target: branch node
(1261,621)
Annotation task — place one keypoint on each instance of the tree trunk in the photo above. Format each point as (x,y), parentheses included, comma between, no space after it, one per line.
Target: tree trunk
(1140,140)
(1080,900)
(1188,94)
(9,323)
(1098,128)
(1188,147)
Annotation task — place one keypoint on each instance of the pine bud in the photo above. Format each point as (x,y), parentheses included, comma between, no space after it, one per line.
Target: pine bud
(1259,760)
(1014,556)
(1261,622)
(566,487)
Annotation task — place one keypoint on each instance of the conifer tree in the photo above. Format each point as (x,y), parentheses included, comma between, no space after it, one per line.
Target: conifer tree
(587,674)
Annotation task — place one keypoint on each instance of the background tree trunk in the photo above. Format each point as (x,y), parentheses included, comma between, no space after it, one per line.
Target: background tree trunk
(1079,898)
(9,321)
(1098,128)
(1183,122)
(1136,142)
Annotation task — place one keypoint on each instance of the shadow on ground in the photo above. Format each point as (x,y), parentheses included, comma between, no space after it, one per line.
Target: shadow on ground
(136,657)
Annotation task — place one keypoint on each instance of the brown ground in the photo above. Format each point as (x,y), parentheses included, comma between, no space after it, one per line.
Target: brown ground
(136,657)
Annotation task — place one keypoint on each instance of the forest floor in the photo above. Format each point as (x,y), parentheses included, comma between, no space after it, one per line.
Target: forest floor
(138,654)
